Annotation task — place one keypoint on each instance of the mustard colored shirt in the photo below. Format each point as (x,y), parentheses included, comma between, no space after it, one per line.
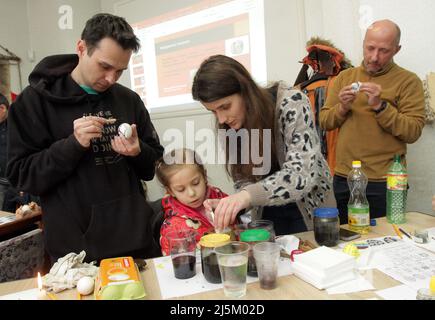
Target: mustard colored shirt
(375,138)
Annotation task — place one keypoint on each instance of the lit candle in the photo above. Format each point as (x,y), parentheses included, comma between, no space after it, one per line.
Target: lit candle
(41,295)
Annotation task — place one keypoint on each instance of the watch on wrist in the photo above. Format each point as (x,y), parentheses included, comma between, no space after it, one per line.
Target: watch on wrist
(382,108)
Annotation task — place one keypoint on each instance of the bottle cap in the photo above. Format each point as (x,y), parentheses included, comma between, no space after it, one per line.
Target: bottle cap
(255,235)
(372,222)
(356,164)
(214,240)
(326,212)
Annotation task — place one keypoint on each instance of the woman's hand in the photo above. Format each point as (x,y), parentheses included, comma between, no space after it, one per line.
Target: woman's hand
(226,209)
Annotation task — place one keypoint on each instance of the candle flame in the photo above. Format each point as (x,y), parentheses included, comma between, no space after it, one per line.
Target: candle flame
(39,281)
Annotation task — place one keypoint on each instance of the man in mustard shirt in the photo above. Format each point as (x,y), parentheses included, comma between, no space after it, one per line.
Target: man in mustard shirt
(377,116)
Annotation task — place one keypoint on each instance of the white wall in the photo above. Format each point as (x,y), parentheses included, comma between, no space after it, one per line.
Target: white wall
(46,37)
(416,20)
(14,35)
(337,21)
(32,25)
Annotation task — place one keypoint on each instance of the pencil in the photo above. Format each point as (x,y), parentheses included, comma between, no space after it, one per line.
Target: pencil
(52,296)
(405,233)
(397,231)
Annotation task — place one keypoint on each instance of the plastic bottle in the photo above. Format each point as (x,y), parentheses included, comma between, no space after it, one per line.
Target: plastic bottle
(397,185)
(358,207)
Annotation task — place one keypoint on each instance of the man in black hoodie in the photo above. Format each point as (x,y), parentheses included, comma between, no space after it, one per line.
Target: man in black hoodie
(64,147)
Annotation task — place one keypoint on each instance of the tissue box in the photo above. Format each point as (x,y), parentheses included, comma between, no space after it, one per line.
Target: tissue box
(118,279)
(324,267)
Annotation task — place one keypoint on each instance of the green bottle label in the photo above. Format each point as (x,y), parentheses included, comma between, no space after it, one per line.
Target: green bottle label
(397,181)
(358,217)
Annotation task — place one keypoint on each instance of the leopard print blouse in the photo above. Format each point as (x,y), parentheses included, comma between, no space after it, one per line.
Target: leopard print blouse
(304,175)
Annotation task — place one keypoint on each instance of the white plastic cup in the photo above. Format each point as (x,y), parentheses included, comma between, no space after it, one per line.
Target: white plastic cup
(182,245)
(233,266)
(266,256)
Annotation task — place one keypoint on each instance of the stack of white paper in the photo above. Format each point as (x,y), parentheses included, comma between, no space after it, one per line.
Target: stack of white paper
(324,267)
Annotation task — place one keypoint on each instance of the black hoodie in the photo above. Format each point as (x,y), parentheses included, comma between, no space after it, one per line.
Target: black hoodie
(92,198)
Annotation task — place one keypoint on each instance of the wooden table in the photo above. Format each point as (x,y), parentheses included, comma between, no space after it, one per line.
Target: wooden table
(17,224)
(289,287)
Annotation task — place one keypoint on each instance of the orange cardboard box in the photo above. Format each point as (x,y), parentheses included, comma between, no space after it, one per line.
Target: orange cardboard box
(118,279)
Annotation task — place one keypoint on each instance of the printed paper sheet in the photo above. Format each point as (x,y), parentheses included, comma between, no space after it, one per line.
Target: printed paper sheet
(171,287)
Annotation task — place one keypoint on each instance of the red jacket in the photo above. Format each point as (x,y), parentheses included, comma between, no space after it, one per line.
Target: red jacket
(179,216)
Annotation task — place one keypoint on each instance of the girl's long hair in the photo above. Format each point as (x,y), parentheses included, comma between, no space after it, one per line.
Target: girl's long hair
(220,76)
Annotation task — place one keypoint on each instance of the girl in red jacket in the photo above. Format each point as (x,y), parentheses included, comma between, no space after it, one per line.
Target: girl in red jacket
(185,180)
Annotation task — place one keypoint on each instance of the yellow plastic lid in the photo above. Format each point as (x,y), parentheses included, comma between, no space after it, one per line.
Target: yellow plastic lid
(432,284)
(356,164)
(214,240)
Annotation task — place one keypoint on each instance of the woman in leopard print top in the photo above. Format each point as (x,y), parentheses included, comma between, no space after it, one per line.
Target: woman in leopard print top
(297,178)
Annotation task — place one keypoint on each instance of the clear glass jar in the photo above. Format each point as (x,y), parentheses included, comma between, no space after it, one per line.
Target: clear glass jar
(209,263)
(263,224)
(326,226)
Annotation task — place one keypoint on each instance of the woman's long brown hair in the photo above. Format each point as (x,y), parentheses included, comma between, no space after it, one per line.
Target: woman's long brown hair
(220,76)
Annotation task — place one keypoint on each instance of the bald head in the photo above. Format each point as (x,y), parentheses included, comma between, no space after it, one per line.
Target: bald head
(385,28)
(381,43)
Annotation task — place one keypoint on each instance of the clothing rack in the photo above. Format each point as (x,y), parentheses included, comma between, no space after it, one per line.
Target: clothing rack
(12,59)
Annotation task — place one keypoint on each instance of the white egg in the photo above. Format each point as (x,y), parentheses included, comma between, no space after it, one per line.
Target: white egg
(85,286)
(25,208)
(125,130)
(355,86)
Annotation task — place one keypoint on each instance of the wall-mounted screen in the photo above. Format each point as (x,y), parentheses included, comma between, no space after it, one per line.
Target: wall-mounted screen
(175,44)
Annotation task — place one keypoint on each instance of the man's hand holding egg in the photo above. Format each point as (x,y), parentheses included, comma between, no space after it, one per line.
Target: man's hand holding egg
(355,86)
(125,130)
(347,96)
(126,142)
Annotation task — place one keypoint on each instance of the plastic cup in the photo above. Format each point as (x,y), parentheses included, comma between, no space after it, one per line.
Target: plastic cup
(182,246)
(267,260)
(233,266)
